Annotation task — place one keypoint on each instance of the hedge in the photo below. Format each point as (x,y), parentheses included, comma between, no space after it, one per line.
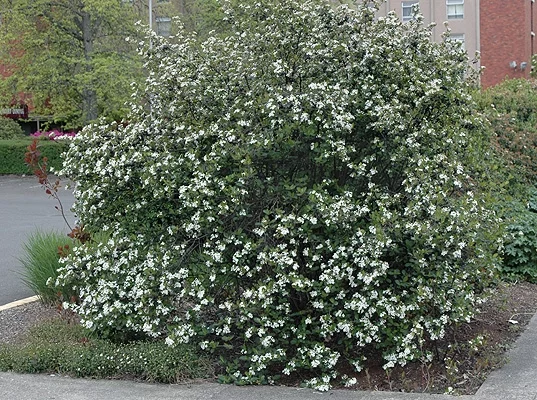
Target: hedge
(12,155)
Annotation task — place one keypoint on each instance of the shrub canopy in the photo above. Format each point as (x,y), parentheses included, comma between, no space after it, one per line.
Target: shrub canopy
(10,129)
(297,196)
(511,108)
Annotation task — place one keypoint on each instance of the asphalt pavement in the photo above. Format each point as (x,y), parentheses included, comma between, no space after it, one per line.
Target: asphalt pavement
(24,208)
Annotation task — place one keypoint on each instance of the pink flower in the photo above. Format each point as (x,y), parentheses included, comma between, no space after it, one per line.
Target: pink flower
(53,134)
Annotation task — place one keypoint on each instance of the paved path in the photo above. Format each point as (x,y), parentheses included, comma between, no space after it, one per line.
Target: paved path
(24,207)
(38,387)
(518,379)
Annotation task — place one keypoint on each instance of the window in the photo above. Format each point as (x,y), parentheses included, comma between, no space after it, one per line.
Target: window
(455,9)
(458,37)
(164,26)
(407,9)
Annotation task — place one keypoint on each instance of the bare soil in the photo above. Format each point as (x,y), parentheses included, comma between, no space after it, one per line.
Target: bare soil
(462,361)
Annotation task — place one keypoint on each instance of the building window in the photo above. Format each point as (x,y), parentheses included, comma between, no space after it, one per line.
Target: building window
(455,9)
(458,38)
(164,26)
(407,10)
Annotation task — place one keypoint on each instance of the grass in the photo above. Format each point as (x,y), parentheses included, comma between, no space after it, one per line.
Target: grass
(41,261)
(63,347)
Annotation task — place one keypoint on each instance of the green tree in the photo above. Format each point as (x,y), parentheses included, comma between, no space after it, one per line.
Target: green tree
(71,56)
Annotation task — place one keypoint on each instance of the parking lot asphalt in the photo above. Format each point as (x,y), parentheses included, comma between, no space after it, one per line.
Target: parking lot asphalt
(24,208)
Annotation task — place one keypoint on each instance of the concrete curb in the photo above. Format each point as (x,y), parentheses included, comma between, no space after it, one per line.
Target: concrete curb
(43,387)
(19,303)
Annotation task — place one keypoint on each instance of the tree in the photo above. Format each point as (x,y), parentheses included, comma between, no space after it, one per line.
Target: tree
(71,56)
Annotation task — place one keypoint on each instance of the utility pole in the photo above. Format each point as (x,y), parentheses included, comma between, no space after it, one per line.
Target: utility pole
(150,21)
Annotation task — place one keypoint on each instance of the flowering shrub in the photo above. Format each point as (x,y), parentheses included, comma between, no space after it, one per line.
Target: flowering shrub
(53,134)
(297,196)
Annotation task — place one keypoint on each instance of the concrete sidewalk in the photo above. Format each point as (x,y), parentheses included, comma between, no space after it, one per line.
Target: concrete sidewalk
(39,387)
(515,381)
(518,379)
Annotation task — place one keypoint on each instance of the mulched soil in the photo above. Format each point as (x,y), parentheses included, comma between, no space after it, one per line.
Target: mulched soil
(14,322)
(458,367)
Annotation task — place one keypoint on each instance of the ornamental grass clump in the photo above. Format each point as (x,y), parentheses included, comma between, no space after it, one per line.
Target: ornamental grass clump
(298,195)
(41,260)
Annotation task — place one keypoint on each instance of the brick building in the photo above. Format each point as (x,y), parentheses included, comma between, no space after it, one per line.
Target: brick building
(507,39)
(501,30)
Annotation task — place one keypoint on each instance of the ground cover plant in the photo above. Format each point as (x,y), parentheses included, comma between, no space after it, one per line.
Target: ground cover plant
(299,195)
(63,347)
(520,253)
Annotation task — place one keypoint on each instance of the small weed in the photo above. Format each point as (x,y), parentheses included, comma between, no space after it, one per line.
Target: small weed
(389,381)
(426,378)
(368,377)
(406,383)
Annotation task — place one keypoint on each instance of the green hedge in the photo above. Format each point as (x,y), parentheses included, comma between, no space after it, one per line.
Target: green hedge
(12,154)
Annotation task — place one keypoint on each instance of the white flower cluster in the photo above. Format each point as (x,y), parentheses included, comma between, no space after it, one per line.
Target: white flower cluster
(298,189)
